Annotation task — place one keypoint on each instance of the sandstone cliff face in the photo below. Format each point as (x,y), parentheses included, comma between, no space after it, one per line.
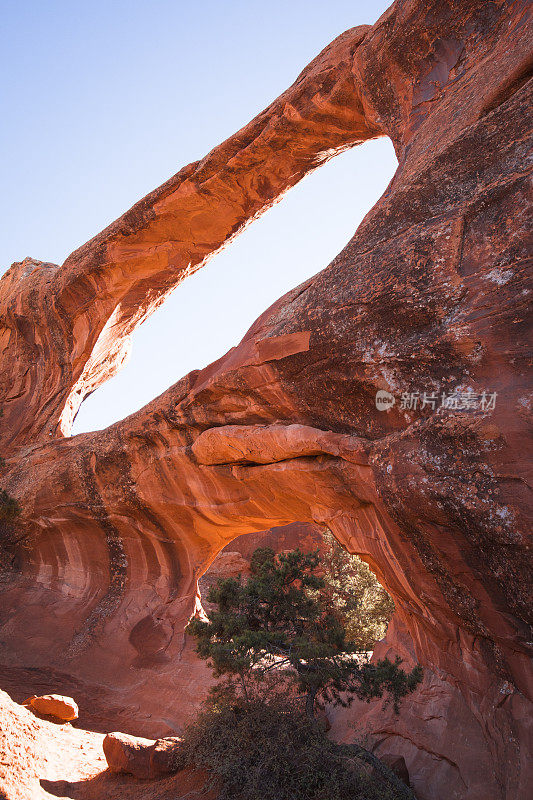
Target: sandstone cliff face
(430,295)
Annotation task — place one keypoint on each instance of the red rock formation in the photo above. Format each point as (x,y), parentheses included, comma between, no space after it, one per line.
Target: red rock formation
(39,760)
(430,295)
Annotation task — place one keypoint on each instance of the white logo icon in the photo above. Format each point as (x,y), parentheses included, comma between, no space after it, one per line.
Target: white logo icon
(384,400)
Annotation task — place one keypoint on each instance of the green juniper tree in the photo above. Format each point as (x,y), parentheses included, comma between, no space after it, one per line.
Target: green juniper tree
(284,629)
(281,624)
(356,593)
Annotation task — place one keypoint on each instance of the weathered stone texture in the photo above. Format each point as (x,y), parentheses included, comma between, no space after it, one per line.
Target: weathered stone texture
(431,294)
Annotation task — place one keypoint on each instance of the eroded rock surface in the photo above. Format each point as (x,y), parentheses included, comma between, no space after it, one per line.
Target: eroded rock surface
(429,296)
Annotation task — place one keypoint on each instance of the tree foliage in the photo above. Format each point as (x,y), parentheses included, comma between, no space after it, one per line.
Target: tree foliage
(356,593)
(9,513)
(272,751)
(9,508)
(281,622)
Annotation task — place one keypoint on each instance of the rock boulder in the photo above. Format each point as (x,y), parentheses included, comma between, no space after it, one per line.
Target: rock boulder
(143,758)
(54,705)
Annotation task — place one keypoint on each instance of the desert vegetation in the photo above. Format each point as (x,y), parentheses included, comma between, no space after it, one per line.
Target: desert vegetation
(9,513)
(365,606)
(284,643)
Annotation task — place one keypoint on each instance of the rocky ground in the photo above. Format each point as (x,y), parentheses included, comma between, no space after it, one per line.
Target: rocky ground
(40,758)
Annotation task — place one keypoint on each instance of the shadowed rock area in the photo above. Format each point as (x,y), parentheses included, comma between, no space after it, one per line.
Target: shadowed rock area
(430,296)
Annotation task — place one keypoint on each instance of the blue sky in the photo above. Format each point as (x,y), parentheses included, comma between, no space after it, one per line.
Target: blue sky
(103,101)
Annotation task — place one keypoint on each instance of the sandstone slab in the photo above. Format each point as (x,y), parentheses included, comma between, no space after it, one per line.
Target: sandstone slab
(55,705)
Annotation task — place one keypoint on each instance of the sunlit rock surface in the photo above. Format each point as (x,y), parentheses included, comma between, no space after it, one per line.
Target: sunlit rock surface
(429,296)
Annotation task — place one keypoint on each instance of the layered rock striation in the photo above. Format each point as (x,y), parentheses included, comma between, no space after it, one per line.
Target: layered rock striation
(429,299)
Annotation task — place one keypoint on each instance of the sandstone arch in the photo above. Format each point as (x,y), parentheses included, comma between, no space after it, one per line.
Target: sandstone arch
(430,294)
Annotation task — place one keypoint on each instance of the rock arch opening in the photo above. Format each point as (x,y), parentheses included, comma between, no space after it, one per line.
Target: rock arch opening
(367,606)
(212,309)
